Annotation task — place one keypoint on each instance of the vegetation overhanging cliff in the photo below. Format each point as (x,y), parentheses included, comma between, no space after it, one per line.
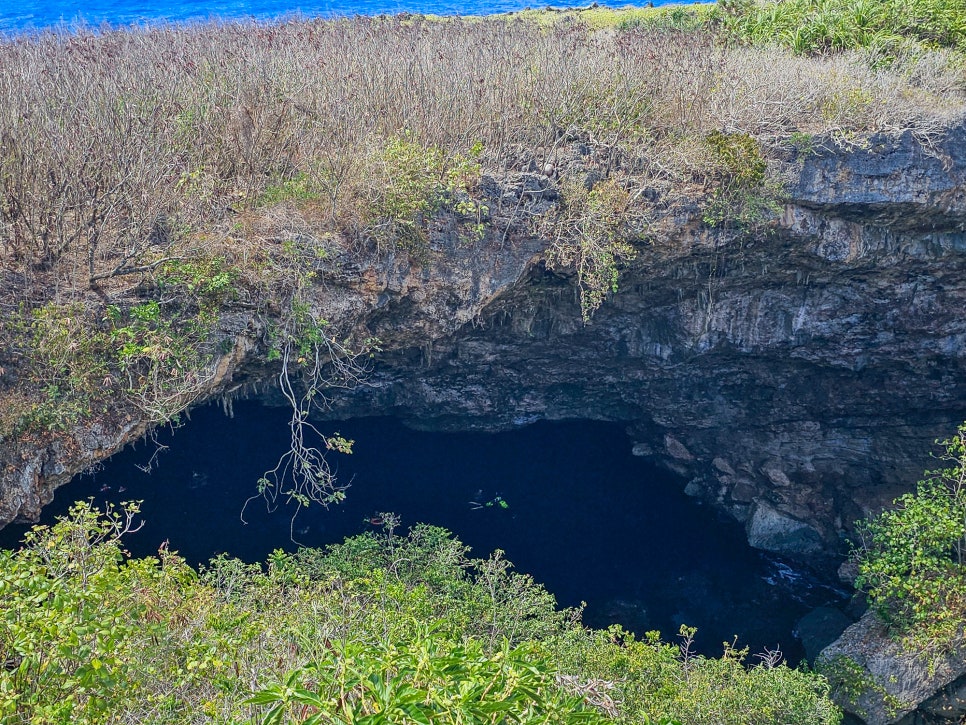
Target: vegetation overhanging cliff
(185,209)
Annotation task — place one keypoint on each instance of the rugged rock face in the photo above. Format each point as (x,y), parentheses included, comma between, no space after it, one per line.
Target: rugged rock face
(796,378)
(879,682)
(427,302)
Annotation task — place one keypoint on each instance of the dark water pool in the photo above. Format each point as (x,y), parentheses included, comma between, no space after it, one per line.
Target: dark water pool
(583,516)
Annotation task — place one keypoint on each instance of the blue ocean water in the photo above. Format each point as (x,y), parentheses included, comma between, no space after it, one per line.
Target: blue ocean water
(17,16)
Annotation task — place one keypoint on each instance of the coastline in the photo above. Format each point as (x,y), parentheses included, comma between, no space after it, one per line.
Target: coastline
(36,17)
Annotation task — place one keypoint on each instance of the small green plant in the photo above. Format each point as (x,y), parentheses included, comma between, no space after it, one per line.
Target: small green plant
(664,682)
(70,364)
(591,235)
(414,182)
(803,143)
(744,197)
(212,279)
(840,106)
(150,357)
(159,355)
(298,188)
(850,682)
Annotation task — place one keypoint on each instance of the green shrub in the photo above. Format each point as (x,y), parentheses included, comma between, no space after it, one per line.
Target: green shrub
(591,235)
(412,182)
(657,681)
(211,279)
(90,635)
(739,155)
(912,558)
(744,196)
(297,188)
(75,622)
(87,360)
(429,678)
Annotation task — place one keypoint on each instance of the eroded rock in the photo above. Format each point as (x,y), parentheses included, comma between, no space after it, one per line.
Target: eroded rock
(773,530)
(880,681)
(795,378)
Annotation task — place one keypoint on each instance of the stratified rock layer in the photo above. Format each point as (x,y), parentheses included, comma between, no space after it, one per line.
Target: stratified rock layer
(796,377)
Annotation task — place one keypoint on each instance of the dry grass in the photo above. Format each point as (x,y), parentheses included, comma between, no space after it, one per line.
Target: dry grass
(146,164)
(118,146)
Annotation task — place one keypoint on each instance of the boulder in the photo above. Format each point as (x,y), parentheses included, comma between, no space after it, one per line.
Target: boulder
(880,681)
(772,530)
(819,628)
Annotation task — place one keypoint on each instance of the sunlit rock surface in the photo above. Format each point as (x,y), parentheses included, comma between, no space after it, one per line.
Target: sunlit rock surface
(876,679)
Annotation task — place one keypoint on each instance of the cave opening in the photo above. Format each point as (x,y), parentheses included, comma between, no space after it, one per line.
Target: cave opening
(565,500)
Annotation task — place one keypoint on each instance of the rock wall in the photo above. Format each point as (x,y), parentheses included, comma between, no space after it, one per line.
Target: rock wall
(795,377)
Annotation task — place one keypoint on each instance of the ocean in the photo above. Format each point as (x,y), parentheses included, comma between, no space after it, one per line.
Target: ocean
(20,16)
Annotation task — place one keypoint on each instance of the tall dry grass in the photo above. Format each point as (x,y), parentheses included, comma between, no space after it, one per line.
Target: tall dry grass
(116,146)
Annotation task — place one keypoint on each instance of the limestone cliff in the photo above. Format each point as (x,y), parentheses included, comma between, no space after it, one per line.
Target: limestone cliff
(796,376)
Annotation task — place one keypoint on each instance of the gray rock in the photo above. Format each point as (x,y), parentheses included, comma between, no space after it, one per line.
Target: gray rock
(879,681)
(772,530)
(819,628)
(949,703)
(676,448)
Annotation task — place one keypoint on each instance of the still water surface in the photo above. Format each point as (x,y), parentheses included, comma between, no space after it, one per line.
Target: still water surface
(583,516)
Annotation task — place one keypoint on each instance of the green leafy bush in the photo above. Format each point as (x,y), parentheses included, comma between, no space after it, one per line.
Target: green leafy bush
(663,682)
(75,624)
(90,635)
(88,360)
(413,182)
(429,679)
(744,196)
(591,234)
(912,558)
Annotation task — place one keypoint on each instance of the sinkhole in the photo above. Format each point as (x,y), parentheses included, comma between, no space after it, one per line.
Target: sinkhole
(565,500)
